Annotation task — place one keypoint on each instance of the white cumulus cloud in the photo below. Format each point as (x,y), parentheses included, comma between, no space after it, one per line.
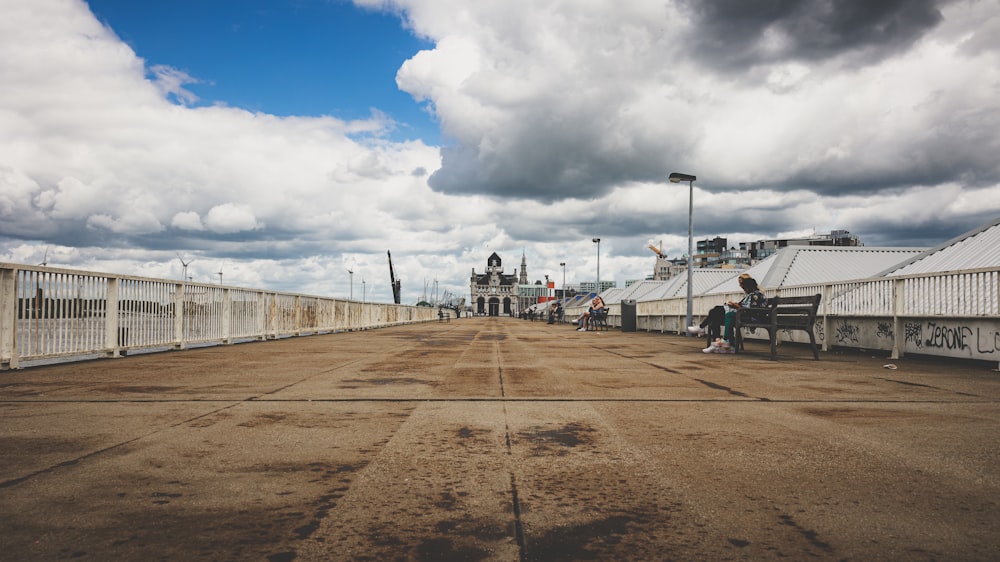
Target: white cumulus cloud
(229,218)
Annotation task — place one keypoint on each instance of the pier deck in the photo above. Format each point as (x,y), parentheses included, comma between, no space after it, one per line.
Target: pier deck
(499,439)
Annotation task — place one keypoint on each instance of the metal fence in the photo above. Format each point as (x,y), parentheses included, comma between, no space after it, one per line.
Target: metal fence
(50,313)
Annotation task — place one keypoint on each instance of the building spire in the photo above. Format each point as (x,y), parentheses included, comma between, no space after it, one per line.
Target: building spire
(523,280)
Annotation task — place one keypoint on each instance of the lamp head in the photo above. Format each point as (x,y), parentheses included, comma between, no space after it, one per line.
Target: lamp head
(596,240)
(676,177)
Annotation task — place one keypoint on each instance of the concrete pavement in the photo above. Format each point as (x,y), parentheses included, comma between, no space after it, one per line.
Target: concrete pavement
(499,439)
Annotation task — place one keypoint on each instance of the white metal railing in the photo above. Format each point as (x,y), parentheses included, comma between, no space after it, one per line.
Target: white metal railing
(51,313)
(955,314)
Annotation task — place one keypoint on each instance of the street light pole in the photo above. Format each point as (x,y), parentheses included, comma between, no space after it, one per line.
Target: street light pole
(597,288)
(352,284)
(563,264)
(676,178)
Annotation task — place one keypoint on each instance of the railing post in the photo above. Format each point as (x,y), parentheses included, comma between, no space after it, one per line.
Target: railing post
(827,291)
(227,313)
(297,329)
(179,342)
(8,319)
(112,339)
(261,315)
(898,309)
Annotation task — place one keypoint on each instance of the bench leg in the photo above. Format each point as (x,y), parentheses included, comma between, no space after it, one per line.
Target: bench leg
(713,333)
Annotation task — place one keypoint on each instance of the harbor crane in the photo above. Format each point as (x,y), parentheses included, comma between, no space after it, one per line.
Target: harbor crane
(395,283)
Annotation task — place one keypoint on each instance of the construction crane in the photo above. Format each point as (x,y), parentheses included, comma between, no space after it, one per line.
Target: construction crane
(392,279)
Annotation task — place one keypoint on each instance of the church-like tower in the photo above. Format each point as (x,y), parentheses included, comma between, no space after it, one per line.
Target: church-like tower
(493,293)
(523,279)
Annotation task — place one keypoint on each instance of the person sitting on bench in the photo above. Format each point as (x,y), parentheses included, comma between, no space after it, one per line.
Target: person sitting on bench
(726,314)
(553,312)
(596,305)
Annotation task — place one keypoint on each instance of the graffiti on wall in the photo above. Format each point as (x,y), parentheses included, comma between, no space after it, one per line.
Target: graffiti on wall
(846,332)
(947,337)
(885,330)
(975,338)
(934,335)
(914,332)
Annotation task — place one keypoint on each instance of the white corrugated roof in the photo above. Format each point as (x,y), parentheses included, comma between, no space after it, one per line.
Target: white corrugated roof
(730,285)
(667,289)
(702,279)
(807,265)
(612,295)
(977,248)
(637,290)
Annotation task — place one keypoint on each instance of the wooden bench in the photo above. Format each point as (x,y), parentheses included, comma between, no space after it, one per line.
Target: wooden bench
(781,313)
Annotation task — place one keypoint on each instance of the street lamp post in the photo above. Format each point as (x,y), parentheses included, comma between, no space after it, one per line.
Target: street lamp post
(597,288)
(352,283)
(676,178)
(563,265)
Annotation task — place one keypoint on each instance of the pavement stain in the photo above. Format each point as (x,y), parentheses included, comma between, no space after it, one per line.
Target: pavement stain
(869,415)
(809,534)
(491,337)
(384,381)
(648,532)
(450,539)
(31,446)
(300,420)
(137,389)
(555,441)
(469,433)
(30,388)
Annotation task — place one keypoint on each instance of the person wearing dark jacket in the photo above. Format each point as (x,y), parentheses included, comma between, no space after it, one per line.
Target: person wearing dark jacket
(725,315)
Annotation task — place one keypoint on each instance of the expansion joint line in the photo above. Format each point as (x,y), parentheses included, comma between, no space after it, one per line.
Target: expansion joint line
(496,351)
(514,498)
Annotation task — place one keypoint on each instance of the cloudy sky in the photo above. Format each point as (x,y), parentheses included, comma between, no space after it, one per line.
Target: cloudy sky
(286,141)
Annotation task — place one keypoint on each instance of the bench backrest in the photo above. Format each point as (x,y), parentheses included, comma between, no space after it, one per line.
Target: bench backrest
(794,311)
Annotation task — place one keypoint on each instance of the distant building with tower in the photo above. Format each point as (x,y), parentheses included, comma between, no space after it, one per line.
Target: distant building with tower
(494,293)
